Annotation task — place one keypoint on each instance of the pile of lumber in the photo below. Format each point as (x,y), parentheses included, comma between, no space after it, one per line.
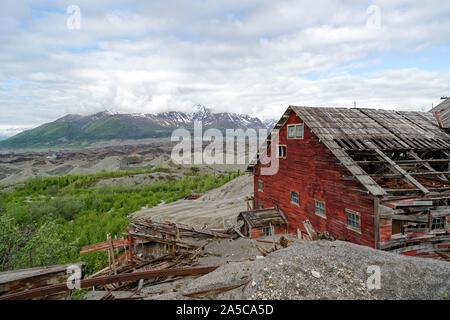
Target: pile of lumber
(180,261)
(281,243)
(173,233)
(312,234)
(129,270)
(179,254)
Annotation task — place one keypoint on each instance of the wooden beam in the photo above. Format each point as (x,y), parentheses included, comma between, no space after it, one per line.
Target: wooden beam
(427,165)
(397,168)
(369,162)
(428,173)
(415,190)
(412,218)
(161,240)
(87,283)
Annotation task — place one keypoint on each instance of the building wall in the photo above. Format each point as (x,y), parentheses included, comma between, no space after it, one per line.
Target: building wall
(258,232)
(313,171)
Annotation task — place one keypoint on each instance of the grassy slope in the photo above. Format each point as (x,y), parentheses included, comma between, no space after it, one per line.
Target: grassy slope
(49,219)
(56,134)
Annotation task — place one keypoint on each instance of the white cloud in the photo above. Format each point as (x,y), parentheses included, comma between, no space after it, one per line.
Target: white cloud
(243,56)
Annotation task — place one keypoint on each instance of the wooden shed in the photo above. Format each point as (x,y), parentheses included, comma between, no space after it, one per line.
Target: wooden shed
(379,178)
(265,222)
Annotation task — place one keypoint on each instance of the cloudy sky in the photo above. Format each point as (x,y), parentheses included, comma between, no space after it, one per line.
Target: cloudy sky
(253,57)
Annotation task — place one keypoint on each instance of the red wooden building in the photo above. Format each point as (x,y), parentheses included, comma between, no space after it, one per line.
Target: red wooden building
(374,177)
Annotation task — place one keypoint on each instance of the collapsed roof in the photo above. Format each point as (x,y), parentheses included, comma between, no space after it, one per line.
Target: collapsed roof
(387,151)
(263,217)
(442,113)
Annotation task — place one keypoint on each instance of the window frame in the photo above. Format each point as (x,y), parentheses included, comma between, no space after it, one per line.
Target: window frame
(353,228)
(260,185)
(295,125)
(291,126)
(298,198)
(320,214)
(443,223)
(278,151)
(264,233)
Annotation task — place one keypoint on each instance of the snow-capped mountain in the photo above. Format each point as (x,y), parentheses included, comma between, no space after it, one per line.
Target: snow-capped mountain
(107,125)
(270,123)
(186,119)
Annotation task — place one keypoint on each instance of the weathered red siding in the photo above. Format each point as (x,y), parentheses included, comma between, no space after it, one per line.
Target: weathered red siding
(257,232)
(313,171)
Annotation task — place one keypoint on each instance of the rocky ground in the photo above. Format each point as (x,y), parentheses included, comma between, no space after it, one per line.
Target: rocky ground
(16,167)
(316,270)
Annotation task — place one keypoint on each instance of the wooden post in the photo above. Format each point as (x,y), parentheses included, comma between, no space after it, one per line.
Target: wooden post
(111,252)
(247,200)
(130,246)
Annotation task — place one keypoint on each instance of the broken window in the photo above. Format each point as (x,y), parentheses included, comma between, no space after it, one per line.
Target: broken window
(260,185)
(397,226)
(282,151)
(295,198)
(320,208)
(353,219)
(438,223)
(267,231)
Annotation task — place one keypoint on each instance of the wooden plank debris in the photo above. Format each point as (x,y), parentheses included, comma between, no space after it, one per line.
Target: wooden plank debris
(87,283)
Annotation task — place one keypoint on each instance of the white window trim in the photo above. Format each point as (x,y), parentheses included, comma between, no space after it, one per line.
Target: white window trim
(298,197)
(271,231)
(324,215)
(352,227)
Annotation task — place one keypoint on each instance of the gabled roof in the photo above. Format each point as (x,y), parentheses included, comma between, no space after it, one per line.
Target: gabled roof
(344,131)
(263,217)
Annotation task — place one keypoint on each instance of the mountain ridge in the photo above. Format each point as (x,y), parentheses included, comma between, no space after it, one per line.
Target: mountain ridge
(75,130)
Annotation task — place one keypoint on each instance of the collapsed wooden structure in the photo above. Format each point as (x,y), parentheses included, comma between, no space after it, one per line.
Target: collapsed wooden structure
(151,253)
(375,177)
(263,222)
(442,113)
(16,281)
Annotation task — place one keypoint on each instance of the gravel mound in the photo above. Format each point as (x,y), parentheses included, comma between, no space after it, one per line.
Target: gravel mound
(319,270)
(343,269)
(238,188)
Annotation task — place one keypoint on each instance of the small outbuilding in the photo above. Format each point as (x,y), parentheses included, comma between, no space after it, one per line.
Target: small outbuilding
(263,222)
